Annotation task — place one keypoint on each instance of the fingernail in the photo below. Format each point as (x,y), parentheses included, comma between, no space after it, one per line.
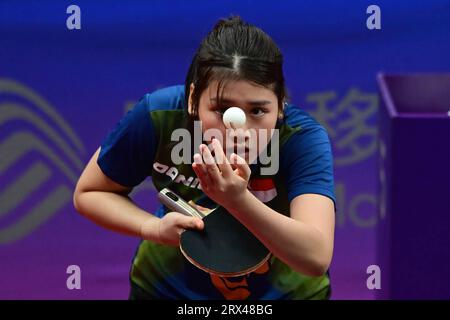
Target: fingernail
(197,158)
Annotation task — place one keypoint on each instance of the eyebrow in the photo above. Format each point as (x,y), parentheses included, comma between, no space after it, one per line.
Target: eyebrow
(255,103)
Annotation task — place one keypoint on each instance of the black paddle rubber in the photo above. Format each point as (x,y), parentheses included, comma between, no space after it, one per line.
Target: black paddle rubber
(224,247)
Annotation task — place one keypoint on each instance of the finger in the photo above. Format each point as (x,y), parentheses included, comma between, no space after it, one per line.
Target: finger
(202,176)
(198,207)
(180,231)
(189,222)
(198,159)
(208,159)
(210,163)
(198,164)
(200,170)
(242,168)
(221,159)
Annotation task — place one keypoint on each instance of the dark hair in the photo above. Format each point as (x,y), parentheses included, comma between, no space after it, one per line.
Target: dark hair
(236,50)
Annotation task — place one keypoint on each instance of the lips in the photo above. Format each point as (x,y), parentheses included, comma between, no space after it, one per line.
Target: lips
(239,148)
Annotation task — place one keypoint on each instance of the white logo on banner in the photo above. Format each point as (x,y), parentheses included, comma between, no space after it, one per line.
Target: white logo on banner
(374,20)
(74,280)
(374,280)
(74,20)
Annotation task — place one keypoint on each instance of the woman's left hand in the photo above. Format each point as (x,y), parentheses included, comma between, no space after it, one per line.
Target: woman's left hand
(222,181)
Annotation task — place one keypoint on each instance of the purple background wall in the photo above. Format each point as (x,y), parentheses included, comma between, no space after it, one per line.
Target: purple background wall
(61,91)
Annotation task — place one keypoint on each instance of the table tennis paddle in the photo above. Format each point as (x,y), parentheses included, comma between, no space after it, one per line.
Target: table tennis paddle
(224,247)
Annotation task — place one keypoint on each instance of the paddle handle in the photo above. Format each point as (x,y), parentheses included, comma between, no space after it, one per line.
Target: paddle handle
(174,202)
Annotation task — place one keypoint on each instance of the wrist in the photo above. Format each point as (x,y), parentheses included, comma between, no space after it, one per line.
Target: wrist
(150,230)
(238,201)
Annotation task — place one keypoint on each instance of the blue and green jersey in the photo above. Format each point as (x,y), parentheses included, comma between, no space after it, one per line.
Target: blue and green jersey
(140,146)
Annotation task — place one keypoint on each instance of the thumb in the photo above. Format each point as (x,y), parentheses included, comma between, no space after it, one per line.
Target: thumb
(186,222)
(241,167)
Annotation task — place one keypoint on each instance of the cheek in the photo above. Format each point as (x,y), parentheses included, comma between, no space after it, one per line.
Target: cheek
(267,125)
(210,120)
(268,121)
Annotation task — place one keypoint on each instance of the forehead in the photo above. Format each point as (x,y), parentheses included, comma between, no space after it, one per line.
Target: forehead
(239,91)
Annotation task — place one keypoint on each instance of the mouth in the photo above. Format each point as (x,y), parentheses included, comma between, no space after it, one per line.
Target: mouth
(240,148)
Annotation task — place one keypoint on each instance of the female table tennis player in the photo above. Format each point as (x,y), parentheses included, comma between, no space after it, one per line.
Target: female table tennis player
(291,211)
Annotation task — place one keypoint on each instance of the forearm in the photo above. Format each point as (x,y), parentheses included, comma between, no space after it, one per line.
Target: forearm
(118,213)
(298,244)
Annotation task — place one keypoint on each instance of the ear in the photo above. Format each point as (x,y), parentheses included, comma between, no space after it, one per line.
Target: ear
(190,107)
(281,112)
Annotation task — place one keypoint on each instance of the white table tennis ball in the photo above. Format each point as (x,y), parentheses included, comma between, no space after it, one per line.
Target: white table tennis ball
(234,118)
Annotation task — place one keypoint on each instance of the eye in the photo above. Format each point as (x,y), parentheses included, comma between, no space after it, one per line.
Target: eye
(258,112)
(220,110)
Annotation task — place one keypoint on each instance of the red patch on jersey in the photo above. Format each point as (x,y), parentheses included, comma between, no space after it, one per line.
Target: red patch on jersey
(263,188)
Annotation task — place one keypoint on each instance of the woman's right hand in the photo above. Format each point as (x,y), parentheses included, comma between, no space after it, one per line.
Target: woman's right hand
(173,224)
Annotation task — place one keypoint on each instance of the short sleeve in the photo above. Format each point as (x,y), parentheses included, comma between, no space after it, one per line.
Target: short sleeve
(127,152)
(307,162)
